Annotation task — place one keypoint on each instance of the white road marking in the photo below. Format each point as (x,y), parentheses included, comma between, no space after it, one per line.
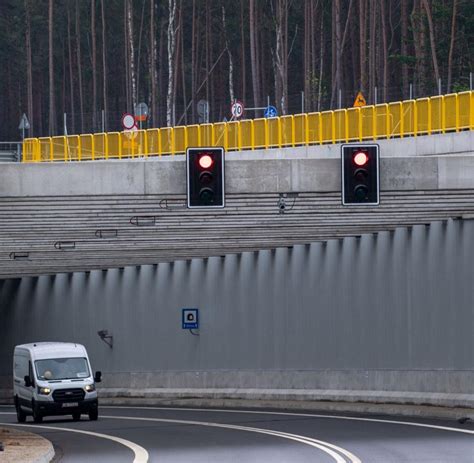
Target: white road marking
(141,455)
(309,415)
(321,445)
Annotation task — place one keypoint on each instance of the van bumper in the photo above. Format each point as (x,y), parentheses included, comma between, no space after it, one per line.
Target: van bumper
(58,408)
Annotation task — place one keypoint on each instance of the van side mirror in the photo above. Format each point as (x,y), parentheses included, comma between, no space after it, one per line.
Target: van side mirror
(27,381)
(98,376)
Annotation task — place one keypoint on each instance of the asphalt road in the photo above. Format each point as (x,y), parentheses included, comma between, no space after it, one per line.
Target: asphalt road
(132,434)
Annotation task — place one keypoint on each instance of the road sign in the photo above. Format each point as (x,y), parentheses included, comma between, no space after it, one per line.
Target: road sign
(270,111)
(128,121)
(141,112)
(24,123)
(237,109)
(359,101)
(190,319)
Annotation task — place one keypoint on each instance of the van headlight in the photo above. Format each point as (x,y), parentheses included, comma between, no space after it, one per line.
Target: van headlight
(44,390)
(90,388)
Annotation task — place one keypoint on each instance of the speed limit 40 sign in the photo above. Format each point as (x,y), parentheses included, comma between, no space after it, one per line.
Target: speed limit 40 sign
(237,109)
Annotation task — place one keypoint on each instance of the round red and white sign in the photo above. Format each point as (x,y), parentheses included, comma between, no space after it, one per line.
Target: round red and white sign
(237,109)
(128,121)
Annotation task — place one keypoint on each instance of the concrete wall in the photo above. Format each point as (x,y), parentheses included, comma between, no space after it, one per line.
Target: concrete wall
(390,312)
(416,163)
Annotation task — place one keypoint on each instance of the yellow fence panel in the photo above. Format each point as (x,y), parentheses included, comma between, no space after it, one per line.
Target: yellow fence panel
(259,133)
(395,120)
(59,148)
(220,134)
(382,129)
(114,142)
(327,121)
(233,135)
(45,149)
(153,142)
(300,129)
(287,131)
(246,134)
(193,135)
(451,112)
(340,134)
(423,113)
(408,117)
(206,134)
(87,147)
(367,115)
(29,150)
(166,140)
(464,105)
(437,111)
(101,146)
(314,128)
(274,132)
(353,122)
(180,139)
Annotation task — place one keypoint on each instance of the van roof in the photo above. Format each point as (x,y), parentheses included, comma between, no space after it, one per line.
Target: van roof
(40,350)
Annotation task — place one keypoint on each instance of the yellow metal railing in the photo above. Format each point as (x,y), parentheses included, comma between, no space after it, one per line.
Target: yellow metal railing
(425,116)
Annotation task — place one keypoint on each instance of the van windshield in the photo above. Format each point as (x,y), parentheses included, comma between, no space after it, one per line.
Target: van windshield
(64,368)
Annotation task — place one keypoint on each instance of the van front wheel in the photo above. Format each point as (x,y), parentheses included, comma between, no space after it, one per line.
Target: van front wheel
(20,414)
(37,416)
(93,415)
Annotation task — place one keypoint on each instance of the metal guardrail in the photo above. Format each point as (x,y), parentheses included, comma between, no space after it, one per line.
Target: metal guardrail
(424,116)
(10,151)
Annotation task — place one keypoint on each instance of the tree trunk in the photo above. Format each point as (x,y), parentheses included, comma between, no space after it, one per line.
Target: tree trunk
(243,54)
(432,39)
(79,65)
(451,45)
(170,100)
(404,47)
(362,44)
(94,68)
(254,55)
(71,73)
(153,63)
(52,108)
(385,50)
(231,65)
(194,51)
(372,51)
(29,66)
(132,54)
(104,67)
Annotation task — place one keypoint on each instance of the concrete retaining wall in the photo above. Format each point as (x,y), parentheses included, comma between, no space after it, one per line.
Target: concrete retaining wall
(387,312)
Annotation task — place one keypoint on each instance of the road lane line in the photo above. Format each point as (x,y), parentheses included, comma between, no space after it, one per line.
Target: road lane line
(326,447)
(140,454)
(308,415)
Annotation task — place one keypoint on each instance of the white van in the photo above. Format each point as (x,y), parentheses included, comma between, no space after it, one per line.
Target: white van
(53,378)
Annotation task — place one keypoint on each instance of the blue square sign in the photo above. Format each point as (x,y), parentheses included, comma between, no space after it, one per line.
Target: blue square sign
(190,319)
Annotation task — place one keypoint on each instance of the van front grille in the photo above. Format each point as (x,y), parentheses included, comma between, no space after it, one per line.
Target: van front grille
(69,395)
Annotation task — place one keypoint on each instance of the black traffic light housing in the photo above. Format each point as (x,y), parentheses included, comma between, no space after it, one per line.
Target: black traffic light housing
(205,177)
(360,174)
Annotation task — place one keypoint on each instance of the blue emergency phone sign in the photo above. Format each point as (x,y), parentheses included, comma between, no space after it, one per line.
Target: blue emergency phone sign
(190,319)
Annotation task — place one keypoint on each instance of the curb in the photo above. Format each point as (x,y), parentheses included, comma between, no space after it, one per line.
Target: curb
(23,446)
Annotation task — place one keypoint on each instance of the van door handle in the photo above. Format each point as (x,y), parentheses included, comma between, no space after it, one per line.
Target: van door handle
(17,381)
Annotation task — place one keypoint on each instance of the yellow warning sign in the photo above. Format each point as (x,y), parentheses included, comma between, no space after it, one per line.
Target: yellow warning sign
(360,100)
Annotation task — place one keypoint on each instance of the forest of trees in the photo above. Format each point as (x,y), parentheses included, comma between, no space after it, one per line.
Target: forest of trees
(94,60)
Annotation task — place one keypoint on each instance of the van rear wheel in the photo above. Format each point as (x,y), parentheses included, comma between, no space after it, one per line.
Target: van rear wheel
(20,414)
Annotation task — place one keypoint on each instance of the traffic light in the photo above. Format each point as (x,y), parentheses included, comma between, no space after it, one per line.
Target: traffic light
(360,175)
(205,177)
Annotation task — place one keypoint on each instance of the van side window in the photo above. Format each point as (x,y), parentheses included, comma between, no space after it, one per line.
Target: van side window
(31,374)
(21,366)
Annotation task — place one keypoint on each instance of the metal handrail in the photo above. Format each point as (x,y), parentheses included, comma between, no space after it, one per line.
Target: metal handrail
(424,116)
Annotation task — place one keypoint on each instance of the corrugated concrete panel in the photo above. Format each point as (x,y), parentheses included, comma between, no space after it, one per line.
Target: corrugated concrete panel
(386,311)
